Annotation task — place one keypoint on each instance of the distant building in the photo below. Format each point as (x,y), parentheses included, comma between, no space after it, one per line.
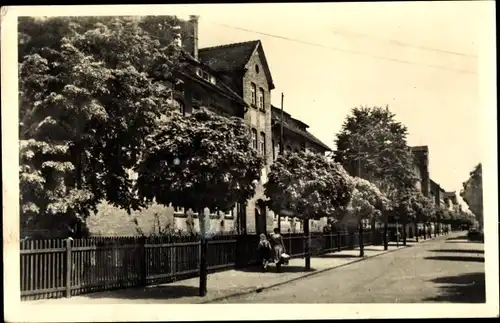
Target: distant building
(421,158)
(450,200)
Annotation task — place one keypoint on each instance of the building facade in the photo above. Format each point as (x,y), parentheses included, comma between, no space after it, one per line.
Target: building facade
(232,80)
(235,80)
(421,158)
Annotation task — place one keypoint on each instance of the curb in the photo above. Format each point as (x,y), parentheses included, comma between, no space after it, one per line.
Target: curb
(261,288)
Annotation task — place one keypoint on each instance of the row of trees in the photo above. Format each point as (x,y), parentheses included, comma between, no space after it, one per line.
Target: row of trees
(93,106)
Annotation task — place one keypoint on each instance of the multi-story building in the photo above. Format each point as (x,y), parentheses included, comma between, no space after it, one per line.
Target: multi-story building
(232,80)
(435,193)
(235,80)
(295,134)
(421,158)
(450,200)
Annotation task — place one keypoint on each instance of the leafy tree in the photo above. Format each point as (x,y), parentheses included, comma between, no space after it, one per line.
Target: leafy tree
(472,193)
(372,144)
(203,160)
(366,202)
(404,208)
(424,210)
(88,98)
(308,185)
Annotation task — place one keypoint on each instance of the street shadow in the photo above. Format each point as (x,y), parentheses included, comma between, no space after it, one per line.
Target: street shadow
(459,251)
(333,255)
(465,241)
(272,269)
(152,292)
(456,258)
(408,244)
(457,238)
(466,288)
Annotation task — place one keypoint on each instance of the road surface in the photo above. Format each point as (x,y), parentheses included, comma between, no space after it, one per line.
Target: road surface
(449,269)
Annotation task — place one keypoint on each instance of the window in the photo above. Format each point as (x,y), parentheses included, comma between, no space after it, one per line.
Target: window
(274,149)
(254,138)
(256,68)
(261,98)
(179,106)
(204,75)
(254,94)
(263,143)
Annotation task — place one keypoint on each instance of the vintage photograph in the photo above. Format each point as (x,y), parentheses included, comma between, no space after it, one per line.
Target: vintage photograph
(260,155)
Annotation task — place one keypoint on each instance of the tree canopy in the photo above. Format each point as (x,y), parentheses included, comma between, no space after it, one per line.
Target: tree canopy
(405,205)
(366,200)
(197,161)
(372,144)
(423,207)
(89,95)
(472,192)
(307,184)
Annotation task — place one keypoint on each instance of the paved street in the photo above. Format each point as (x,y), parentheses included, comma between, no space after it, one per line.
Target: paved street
(449,269)
(222,284)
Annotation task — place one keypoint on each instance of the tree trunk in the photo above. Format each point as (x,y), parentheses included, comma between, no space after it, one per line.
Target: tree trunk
(372,228)
(416,231)
(386,243)
(361,242)
(203,255)
(307,244)
(404,231)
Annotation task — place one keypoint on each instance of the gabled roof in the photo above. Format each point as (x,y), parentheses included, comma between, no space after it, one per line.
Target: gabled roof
(230,57)
(276,117)
(233,57)
(220,85)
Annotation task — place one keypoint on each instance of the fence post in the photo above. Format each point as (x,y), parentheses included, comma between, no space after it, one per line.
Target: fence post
(338,242)
(69,269)
(144,261)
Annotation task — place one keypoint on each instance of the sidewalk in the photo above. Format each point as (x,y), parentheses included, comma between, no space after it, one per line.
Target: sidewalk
(226,283)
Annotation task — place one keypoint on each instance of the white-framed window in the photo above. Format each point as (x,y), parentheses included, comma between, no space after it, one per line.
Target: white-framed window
(205,75)
(254,139)
(263,143)
(254,93)
(261,98)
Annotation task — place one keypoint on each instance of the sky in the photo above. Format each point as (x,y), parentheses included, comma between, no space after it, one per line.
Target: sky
(422,59)
(328,58)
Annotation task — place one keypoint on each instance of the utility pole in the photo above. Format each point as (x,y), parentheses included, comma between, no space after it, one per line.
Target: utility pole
(281,126)
(281,149)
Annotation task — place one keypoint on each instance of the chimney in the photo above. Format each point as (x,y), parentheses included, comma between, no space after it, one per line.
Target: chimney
(193,35)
